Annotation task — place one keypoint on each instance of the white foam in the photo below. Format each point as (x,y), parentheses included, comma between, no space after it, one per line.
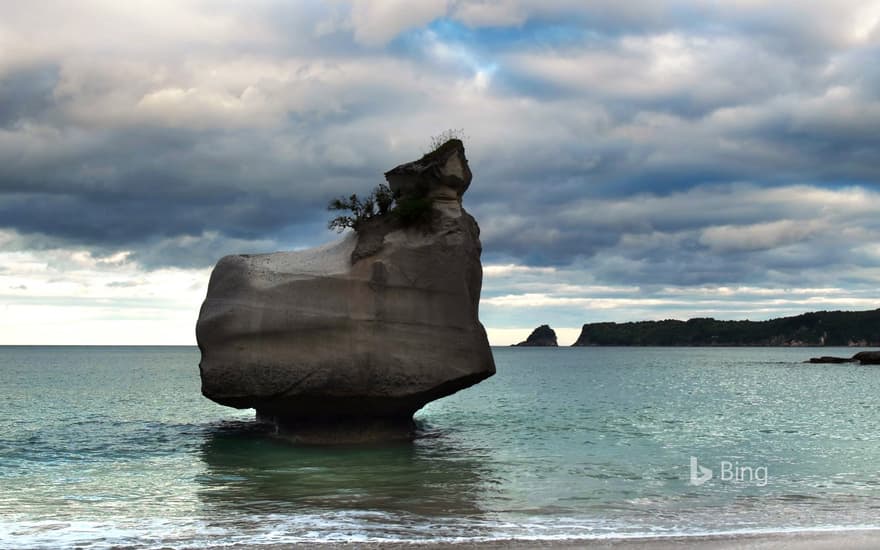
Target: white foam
(343,527)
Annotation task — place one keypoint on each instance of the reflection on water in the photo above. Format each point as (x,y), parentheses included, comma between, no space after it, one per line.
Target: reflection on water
(249,467)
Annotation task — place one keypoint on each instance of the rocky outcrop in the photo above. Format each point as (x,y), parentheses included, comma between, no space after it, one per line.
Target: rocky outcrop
(867,357)
(443,174)
(543,336)
(831,360)
(345,342)
(863,358)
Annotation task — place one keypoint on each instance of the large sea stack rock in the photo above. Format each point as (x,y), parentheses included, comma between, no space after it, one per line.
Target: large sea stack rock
(543,336)
(343,343)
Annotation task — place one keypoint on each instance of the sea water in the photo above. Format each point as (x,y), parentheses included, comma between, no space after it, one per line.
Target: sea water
(104,446)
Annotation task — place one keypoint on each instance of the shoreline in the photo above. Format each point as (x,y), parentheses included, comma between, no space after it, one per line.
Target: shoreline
(849,539)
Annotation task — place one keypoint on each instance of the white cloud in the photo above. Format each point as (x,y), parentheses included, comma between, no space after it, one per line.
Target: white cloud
(70,296)
(761,236)
(378,21)
(639,66)
(509,269)
(48,30)
(543,300)
(731,204)
(491,13)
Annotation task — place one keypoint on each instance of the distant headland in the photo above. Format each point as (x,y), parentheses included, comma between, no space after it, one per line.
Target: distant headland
(820,328)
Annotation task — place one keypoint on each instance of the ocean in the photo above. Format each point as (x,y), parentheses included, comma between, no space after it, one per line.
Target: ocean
(110,446)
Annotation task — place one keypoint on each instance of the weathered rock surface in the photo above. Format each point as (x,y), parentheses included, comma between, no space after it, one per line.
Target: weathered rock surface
(443,174)
(867,357)
(863,357)
(543,336)
(830,359)
(335,346)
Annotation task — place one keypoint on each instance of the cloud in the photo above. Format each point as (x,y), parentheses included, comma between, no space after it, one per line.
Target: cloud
(508,269)
(375,23)
(762,236)
(72,296)
(501,13)
(615,145)
(123,284)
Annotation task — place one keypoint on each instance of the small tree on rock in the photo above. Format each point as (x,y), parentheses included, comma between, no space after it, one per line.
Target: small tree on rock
(377,203)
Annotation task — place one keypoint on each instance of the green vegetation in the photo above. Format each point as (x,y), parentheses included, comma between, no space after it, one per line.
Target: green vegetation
(377,203)
(406,211)
(413,211)
(823,328)
(410,209)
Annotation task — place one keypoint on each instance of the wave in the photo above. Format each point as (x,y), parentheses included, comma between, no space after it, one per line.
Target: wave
(350,528)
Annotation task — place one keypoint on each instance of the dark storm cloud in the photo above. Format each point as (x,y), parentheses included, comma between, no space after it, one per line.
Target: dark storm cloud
(26,94)
(132,185)
(686,143)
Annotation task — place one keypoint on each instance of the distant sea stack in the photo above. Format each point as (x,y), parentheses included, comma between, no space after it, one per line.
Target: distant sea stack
(821,328)
(543,336)
(343,343)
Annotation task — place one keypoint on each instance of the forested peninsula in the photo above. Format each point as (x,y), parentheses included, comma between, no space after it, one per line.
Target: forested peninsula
(821,328)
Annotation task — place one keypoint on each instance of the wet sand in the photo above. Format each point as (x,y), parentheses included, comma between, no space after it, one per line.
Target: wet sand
(814,540)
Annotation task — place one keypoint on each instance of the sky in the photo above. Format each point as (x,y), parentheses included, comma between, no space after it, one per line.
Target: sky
(632,160)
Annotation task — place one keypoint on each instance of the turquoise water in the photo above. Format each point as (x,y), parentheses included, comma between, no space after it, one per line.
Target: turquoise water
(116,446)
